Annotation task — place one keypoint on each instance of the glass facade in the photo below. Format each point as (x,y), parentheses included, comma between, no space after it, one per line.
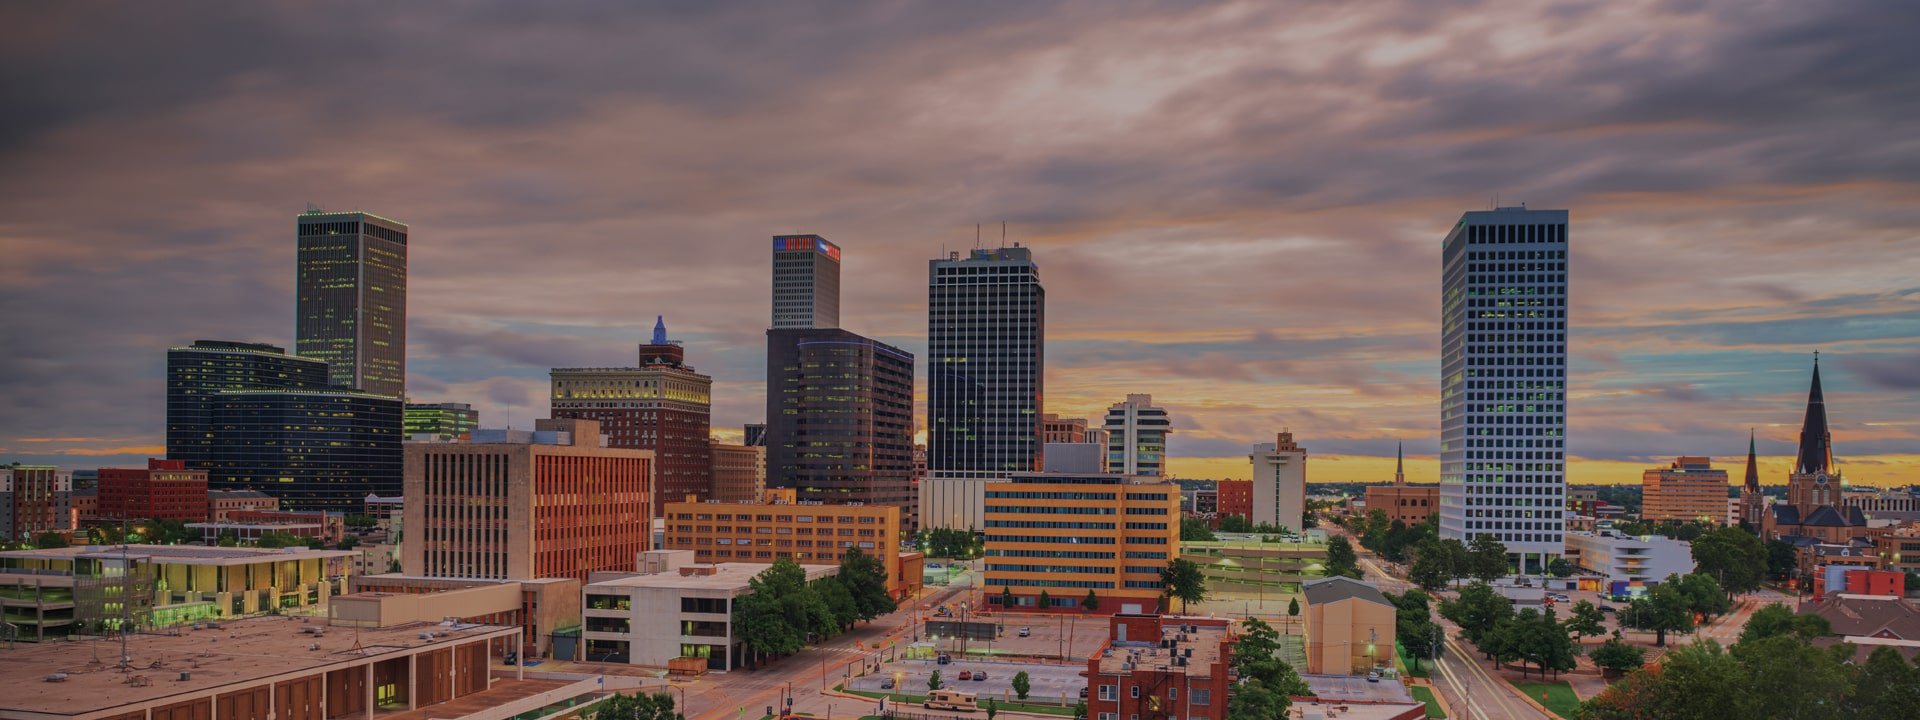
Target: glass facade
(840,418)
(350,305)
(1504,382)
(312,449)
(986,322)
(197,374)
(443,421)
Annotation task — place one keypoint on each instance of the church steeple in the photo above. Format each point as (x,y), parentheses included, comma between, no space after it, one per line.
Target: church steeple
(1400,465)
(1816,441)
(1753,465)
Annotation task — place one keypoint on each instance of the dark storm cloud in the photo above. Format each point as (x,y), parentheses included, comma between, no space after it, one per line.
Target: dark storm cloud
(1235,206)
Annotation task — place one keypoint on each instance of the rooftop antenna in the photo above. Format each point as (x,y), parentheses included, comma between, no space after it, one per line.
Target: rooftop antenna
(1003,233)
(976,236)
(312,208)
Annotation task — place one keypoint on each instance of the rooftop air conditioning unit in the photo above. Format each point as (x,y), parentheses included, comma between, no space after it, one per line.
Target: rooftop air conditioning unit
(426,636)
(57,677)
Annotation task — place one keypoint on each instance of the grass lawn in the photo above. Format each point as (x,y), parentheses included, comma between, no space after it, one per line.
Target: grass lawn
(1559,696)
(1016,706)
(1406,666)
(1425,694)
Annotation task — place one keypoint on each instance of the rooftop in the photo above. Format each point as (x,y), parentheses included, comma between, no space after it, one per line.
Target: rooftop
(224,653)
(177,554)
(1335,589)
(721,576)
(1197,645)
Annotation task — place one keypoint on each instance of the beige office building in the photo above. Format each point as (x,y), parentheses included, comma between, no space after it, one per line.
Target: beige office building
(739,471)
(1350,627)
(518,505)
(1689,490)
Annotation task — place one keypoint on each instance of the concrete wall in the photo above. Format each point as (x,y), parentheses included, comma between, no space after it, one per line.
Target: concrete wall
(1338,634)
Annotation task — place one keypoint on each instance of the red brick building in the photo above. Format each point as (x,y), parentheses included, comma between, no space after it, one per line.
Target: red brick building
(164,490)
(1160,667)
(1236,498)
(662,405)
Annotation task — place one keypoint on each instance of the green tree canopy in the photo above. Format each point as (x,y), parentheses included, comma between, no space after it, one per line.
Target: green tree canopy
(1586,621)
(1477,611)
(637,707)
(1195,529)
(1091,602)
(1022,684)
(1778,619)
(49,540)
(1733,557)
(1487,558)
(1618,655)
(865,578)
(1182,579)
(1233,524)
(1341,560)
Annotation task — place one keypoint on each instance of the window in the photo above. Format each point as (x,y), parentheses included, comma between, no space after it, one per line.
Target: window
(1133,690)
(1202,697)
(1108,692)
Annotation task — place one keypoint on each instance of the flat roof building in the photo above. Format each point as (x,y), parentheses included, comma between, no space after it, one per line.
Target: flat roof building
(164,490)
(1137,433)
(1618,557)
(779,526)
(1161,666)
(517,505)
(1409,504)
(1280,483)
(1072,534)
(680,610)
(806,282)
(840,419)
(739,471)
(34,499)
(258,669)
(1689,490)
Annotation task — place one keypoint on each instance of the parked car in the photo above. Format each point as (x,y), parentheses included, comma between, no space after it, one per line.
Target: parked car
(966,674)
(943,659)
(1026,632)
(979,676)
(1373,676)
(886,684)
(950,700)
(1560,597)
(1606,608)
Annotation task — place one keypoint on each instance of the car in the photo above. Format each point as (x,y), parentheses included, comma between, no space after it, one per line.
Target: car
(966,674)
(1559,597)
(1026,632)
(943,659)
(979,676)
(1606,608)
(886,684)
(1373,676)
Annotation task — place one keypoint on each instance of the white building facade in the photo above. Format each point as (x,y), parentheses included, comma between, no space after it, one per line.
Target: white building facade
(1137,437)
(1280,482)
(1617,557)
(1503,382)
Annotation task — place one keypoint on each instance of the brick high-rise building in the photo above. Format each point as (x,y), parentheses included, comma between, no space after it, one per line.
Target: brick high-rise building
(661,405)
(739,471)
(518,505)
(34,499)
(1689,490)
(1236,498)
(164,490)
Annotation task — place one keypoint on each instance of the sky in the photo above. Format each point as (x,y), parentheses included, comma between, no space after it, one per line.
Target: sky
(1236,207)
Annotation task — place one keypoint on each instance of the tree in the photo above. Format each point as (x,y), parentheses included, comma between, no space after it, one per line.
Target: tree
(349,542)
(637,707)
(1258,641)
(1235,524)
(840,603)
(1617,655)
(1022,684)
(231,538)
(1195,529)
(1006,597)
(278,539)
(1341,560)
(313,543)
(1182,579)
(1433,563)
(933,681)
(1699,681)
(1887,687)
(1586,621)
(1091,602)
(865,579)
(49,540)
(1252,700)
(1781,559)
(1733,557)
(1487,558)
(1790,678)
(1560,568)
(781,610)
(360,522)
(993,708)
(1778,619)
(1666,608)
(1704,595)
(1477,610)
(1413,624)
(1293,607)
(1080,710)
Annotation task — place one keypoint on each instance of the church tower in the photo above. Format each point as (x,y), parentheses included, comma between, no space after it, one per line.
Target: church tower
(1815,482)
(1753,504)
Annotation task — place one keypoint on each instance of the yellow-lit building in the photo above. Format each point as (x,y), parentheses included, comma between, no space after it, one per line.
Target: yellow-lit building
(1691,489)
(1067,534)
(1350,626)
(810,533)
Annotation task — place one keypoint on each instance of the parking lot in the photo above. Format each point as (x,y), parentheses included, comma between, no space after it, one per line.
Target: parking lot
(1052,684)
(1073,637)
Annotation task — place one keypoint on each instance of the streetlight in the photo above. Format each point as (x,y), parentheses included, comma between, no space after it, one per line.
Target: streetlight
(1373,635)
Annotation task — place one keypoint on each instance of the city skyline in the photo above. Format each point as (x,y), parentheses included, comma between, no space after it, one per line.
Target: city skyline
(1211,234)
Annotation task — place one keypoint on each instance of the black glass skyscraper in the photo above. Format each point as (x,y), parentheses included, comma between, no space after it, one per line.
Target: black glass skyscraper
(840,418)
(351,303)
(986,325)
(198,373)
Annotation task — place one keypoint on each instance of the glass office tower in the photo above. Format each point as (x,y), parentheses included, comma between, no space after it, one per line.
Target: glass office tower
(1503,390)
(350,305)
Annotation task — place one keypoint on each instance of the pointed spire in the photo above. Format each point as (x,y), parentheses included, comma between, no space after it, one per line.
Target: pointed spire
(659,329)
(1753,464)
(1400,465)
(1816,441)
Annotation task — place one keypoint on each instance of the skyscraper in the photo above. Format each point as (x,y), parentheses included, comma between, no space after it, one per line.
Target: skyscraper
(1503,382)
(806,282)
(441,421)
(840,418)
(1280,483)
(661,405)
(256,418)
(986,323)
(1137,437)
(350,308)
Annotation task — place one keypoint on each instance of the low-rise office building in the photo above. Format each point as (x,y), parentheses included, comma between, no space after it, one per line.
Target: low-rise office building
(739,472)
(222,503)
(547,610)
(677,609)
(250,525)
(56,592)
(780,526)
(1066,535)
(1350,627)
(1163,667)
(1689,490)
(269,669)
(164,489)
(34,499)
(1617,557)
